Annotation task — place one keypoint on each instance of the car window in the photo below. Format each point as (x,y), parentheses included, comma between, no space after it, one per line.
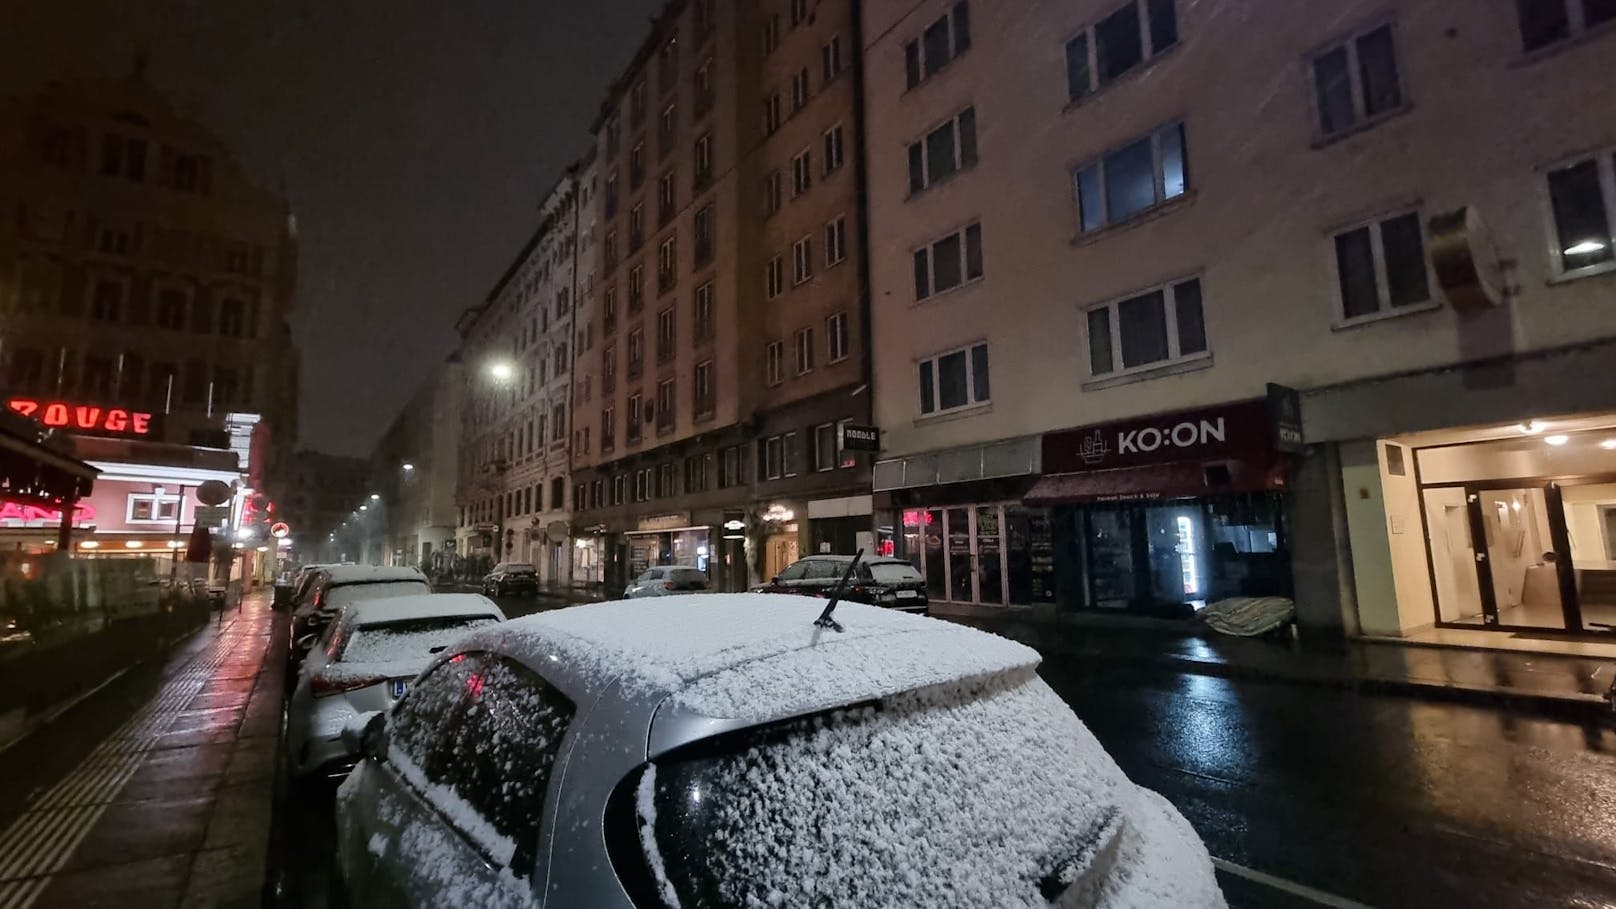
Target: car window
(488,730)
(894,572)
(416,639)
(688,576)
(795,573)
(348,594)
(826,570)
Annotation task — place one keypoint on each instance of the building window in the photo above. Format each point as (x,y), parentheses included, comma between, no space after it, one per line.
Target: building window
(729,467)
(665,487)
(771,114)
(805,350)
(835,241)
(158,508)
(636,353)
(171,308)
(802,172)
(1132,179)
(665,199)
(1356,82)
(636,165)
(774,362)
(771,34)
(636,226)
(636,288)
(823,453)
(1119,43)
(771,193)
(799,90)
(834,149)
(949,262)
(642,485)
(774,278)
(799,12)
(667,266)
(635,423)
(772,457)
(636,103)
(830,59)
(1161,325)
(614,137)
(106,301)
(1380,267)
(1546,22)
(938,45)
(836,346)
(703,158)
(704,225)
(668,63)
(1582,196)
(702,87)
(609,310)
(701,15)
(954,380)
(558,421)
(802,260)
(667,125)
(704,312)
(665,413)
(944,152)
(701,385)
(666,335)
(698,472)
(609,250)
(608,428)
(609,199)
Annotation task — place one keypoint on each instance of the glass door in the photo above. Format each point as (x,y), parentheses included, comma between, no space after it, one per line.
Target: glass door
(989,556)
(961,577)
(1519,537)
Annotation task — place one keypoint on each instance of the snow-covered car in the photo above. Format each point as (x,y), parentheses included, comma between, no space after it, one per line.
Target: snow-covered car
(336,586)
(511,579)
(364,661)
(666,580)
(732,752)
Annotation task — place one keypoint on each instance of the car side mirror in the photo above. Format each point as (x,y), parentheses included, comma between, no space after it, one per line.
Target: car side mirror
(366,734)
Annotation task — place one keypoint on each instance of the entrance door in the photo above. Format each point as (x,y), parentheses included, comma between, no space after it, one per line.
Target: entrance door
(1523,557)
(989,556)
(971,555)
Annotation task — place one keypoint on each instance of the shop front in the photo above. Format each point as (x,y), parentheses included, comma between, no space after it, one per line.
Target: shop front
(1162,515)
(668,539)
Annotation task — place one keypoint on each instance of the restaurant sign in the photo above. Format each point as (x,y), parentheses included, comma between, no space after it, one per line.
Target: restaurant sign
(1226,431)
(89,419)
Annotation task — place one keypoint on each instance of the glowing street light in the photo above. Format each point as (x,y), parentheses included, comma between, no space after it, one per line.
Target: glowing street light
(375,497)
(407,467)
(502,372)
(1585,247)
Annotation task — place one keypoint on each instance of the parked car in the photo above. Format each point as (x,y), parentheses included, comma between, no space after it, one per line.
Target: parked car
(511,579)
(336,586)
(665,580)
(365,660)
(628,754)
(894,583)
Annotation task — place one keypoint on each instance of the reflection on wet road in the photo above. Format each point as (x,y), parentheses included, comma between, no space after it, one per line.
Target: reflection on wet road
(1385,801)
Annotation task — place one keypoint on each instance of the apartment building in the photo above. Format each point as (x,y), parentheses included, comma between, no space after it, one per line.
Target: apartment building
(413,470)
(730,304)
(146,279)
(1101,231)
(517,353)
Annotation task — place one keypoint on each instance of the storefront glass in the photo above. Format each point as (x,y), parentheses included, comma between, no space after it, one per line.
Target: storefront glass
(989,555)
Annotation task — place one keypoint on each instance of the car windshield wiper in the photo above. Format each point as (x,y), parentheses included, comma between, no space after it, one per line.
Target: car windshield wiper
(1088,864)
(824,620)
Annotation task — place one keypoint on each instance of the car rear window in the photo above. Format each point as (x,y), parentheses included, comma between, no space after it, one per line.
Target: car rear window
(972,795)
(348,594)
(518,569)
(416,638)
(894,572)
(687,576)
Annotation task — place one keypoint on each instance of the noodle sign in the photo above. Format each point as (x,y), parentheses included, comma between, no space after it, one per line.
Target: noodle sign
(86,418)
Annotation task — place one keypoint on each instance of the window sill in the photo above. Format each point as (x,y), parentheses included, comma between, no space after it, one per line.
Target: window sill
(1587,271)
(1385,315)
(958,413)
(1161,210)
(1363,126)
(928,299)
(1178,367)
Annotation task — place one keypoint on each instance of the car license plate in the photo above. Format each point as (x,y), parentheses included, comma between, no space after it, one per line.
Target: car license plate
(908,594)
(400,686)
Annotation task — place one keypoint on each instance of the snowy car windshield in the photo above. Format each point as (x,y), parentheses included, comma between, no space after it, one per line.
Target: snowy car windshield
(348,594)
(975,792)
(406,640)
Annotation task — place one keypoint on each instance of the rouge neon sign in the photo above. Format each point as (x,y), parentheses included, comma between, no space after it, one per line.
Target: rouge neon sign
(84,417)
(15,513)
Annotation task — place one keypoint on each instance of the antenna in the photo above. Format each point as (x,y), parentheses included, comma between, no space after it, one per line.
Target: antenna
(824,620)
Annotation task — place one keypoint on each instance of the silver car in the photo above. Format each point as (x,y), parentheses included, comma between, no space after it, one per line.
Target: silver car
(735,751)
(364,661)
(666,580)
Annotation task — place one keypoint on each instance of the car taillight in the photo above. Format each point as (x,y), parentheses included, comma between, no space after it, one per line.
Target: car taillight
(667,585)
(325,686)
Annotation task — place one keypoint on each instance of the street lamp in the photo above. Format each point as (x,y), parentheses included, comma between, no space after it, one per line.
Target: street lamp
(501,371)
(375,497)
(407,467)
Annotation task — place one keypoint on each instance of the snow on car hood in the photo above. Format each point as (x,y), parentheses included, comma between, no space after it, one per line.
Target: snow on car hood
(756,655)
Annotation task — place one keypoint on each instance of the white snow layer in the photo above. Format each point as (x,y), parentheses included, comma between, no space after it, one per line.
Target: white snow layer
(758,655)
(951,797)
(645,821)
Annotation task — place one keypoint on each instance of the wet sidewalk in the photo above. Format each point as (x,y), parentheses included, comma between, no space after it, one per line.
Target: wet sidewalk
(1570,686)
(173,807)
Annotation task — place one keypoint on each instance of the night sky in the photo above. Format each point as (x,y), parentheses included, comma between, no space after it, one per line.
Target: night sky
(415,139)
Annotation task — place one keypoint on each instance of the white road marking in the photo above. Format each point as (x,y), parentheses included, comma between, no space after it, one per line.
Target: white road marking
(1291,887)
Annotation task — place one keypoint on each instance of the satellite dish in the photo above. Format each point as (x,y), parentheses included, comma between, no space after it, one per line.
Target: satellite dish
(213,492)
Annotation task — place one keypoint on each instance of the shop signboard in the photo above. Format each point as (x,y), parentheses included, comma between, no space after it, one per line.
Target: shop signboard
(85,419)
(860,438)
(1228,431)
(1285,410)
(663,522)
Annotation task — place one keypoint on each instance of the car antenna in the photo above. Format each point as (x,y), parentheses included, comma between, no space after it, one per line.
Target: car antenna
(824,620)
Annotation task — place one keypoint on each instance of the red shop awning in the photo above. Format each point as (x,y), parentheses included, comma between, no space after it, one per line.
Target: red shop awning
(1175,480)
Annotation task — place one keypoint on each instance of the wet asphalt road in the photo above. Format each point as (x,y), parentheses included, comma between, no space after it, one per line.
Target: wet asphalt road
(1376,801)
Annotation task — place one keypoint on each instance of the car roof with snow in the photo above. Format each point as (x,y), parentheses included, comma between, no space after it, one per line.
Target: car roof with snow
(422,606)
(338,575)
(751,656)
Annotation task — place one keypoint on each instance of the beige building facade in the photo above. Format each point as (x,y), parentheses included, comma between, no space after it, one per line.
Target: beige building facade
(1101,230)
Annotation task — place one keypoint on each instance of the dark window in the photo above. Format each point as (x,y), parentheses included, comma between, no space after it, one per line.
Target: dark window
(1381,266)
(1581,220)
(1100,341)
(1117,43)
(1157,326)
(1133,179)
(938,45)
(1543,22)
(1143,321)
(1357,81)
(1355,262)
